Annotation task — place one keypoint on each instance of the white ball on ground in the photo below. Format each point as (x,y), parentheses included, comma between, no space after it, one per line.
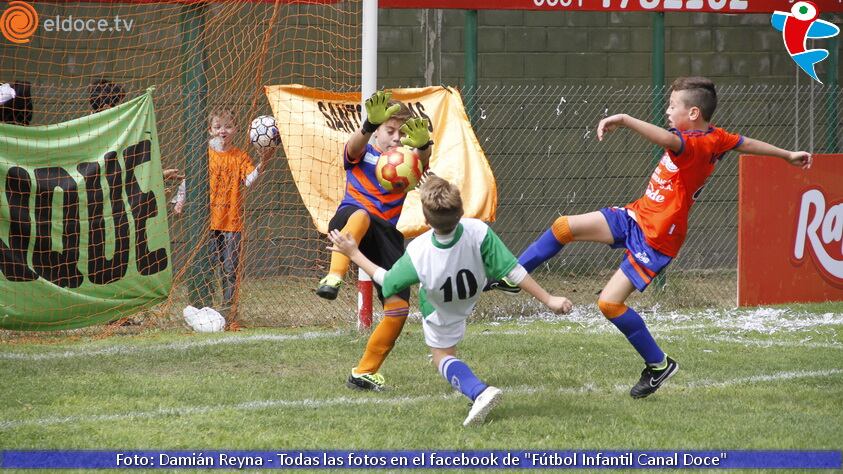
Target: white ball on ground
(203,320)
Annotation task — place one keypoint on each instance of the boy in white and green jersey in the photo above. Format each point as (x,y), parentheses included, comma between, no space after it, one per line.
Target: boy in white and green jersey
(452,262)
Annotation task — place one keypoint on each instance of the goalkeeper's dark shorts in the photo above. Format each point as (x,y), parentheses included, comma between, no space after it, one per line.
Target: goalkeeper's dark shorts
(383,244)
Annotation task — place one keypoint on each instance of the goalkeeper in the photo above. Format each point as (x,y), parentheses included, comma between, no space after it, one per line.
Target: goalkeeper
(370,213)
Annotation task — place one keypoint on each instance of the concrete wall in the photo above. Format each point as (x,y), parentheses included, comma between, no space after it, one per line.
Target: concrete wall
(532,47)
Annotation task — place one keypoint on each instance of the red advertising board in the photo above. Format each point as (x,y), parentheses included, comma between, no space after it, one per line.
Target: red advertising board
(790,231)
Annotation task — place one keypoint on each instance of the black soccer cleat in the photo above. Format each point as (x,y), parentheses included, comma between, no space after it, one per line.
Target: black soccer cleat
(327,292)
(373,382)
(329,287)
(652,379)
(503,285)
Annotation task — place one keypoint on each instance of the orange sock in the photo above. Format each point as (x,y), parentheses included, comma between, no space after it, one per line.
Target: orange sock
(357,226)
(383,338)
(562,231)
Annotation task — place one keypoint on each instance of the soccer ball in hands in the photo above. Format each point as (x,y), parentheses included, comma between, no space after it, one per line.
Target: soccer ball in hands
(399,170)
(263,132)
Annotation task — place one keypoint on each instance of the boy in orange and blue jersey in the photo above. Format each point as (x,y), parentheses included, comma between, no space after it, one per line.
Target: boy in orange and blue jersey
(370,213)
(653,228)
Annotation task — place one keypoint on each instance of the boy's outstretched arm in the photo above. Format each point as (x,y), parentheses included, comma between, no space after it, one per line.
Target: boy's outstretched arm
(802,159)
(265,155)
(557,304)
(172,174)
(653,133)
(402,275)
(345,244)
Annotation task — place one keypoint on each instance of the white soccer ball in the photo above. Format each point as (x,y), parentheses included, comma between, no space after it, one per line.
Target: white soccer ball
(263,132)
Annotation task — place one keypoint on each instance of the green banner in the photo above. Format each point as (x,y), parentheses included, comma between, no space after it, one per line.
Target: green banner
(83,221)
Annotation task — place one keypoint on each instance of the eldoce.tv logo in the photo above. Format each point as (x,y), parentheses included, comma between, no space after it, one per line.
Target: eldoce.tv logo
(19,22)
(91,25)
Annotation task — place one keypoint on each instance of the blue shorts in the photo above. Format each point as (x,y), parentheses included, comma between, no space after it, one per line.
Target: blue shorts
(641,263)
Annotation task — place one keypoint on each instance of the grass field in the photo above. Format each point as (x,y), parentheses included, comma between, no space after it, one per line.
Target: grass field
(748,379)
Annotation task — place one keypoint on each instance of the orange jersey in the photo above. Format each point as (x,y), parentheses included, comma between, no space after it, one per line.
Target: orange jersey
(662,213)
(226,171)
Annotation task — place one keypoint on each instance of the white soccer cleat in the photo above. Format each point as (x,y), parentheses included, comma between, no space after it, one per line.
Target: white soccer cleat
(483,405)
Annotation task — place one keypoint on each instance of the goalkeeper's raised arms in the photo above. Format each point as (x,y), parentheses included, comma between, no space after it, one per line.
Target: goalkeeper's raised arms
(417,133)
(377,111)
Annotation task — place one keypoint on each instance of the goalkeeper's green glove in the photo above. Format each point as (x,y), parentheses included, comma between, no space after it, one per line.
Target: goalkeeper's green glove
(377,111)
(416,133)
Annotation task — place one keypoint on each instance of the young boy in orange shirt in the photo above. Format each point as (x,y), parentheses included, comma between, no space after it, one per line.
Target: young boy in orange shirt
(653,228)
(228,168)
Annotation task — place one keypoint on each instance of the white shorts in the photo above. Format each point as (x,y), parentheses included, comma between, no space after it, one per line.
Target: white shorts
(443,337)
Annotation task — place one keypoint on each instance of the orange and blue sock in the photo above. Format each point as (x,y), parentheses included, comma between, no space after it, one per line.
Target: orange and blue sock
(633,327)
(460,376)
(547,245)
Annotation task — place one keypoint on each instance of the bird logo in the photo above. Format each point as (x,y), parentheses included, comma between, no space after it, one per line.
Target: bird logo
(801,23)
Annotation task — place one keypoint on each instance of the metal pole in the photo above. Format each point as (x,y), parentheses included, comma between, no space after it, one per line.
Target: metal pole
(470,63)
(194,100)
(370,51)
(368,87)
(833,95)
(658,101)
(658,69)
(796,111)
(811,113)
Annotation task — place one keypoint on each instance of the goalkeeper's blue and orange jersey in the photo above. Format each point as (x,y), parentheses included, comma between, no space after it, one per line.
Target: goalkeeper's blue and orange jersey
(363,190)
(662,213)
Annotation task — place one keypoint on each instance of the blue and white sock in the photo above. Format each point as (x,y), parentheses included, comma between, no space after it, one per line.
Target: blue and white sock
(460,376)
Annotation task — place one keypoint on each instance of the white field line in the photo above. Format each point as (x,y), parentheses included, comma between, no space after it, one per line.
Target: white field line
(375,400)
(769,343)
(234,340)
(478,330)
(760,320)
(759,343)
(774,377)
(607,328)
(202,410)
(172,346)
